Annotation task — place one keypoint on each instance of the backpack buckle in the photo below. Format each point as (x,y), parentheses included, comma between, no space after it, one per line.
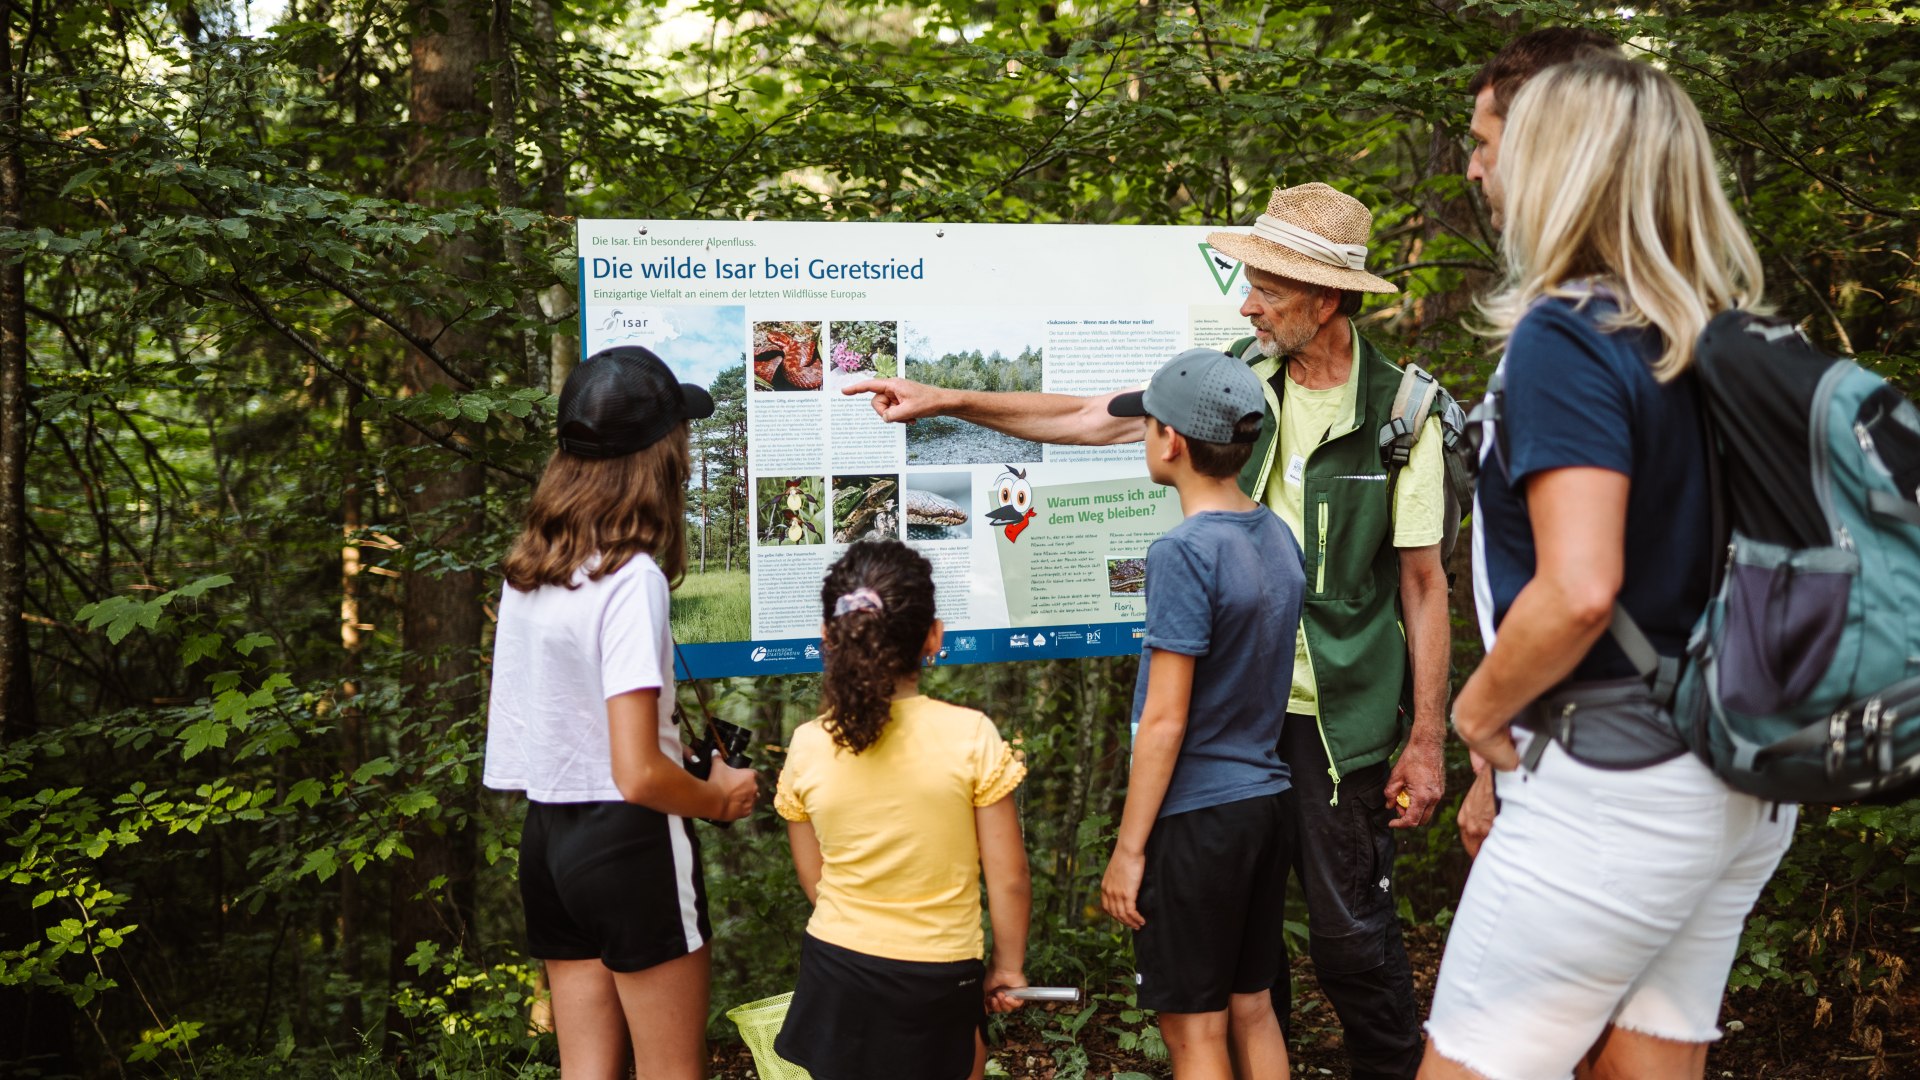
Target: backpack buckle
(1876,726)
(1396,442)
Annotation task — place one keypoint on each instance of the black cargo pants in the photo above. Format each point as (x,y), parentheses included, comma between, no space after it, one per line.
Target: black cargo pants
(1343,855)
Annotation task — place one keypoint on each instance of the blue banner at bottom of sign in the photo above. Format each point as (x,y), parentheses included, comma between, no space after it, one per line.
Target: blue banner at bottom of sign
(793,656)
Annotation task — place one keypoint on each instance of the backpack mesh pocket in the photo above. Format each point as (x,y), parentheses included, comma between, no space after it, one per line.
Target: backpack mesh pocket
(1786,612)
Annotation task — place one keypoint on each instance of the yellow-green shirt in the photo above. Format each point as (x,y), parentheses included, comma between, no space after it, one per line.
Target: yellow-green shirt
(900,874)
(1306,417)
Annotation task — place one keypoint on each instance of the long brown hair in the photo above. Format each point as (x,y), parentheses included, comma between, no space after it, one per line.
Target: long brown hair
(868,649)
(615,507)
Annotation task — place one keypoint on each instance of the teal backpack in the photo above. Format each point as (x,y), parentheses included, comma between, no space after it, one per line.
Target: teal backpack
(1802,679)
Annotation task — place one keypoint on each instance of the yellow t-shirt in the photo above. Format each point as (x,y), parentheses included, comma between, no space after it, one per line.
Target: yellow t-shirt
(1306,416)
(901,861)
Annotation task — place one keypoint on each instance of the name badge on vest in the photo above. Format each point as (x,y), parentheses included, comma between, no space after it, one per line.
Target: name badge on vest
(1296,470)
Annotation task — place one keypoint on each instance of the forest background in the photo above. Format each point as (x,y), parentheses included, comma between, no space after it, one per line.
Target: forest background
(285,296)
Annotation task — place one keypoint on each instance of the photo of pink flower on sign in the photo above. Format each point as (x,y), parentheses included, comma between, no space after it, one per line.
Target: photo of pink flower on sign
(845,360)
(862,350)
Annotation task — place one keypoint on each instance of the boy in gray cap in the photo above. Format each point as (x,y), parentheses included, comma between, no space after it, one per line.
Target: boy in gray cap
(1200,862)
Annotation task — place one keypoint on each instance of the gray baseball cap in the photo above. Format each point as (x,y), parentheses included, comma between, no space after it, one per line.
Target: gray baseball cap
(1201,393)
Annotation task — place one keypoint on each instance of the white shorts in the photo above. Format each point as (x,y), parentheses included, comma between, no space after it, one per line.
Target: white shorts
(1601,897)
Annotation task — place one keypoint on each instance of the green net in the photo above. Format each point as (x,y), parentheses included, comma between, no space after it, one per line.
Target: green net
(759,1023)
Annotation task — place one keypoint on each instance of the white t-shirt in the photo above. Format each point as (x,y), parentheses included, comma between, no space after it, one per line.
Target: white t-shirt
(558,655)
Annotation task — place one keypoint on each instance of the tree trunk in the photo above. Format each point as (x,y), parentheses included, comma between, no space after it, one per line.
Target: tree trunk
(563,351)
(506,186)
(432,898)
(563,347)
(16,672)
(352,718)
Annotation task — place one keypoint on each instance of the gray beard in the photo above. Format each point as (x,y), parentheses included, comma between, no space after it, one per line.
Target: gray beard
(1269,349)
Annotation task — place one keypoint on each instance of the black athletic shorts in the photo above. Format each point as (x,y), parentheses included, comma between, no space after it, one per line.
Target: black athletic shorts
(860,1017)
(1212,896)
(611,881)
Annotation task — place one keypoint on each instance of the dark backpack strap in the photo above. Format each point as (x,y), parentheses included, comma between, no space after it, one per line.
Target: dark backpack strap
(1487,412)
(1716,491)
(1662,673)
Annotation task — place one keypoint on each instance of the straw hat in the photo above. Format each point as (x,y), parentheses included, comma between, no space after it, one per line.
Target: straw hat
(1311,233)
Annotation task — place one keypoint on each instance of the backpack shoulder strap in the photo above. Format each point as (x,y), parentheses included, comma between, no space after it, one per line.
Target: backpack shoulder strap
(1246,350)
(1417,394)
(1662,673)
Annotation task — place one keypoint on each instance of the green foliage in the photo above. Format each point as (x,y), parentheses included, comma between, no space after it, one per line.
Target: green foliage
(712,607)
(239,251)
(972,371)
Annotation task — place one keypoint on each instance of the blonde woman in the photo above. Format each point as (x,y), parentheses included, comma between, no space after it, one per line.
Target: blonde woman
(1602,916)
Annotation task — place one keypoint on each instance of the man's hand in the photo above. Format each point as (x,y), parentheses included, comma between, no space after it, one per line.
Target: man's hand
(1476,813)
(1120,887)
(1421,774)
(899,401)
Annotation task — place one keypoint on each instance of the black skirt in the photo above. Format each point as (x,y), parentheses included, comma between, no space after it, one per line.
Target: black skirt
(860,1017)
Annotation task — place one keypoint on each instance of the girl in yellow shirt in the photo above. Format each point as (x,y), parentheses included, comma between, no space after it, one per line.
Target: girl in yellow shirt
(896,803)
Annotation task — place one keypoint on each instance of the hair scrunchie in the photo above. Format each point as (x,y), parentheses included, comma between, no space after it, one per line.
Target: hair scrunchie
(861,599)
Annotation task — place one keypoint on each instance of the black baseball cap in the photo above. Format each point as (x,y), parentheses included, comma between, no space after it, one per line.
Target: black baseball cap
(624,399)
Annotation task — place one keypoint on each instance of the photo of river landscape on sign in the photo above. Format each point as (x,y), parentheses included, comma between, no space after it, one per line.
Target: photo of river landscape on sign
(970,354)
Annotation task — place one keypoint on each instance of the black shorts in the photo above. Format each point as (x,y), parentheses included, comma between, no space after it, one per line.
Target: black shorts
(1212,896)
(611,881)
(856,1017)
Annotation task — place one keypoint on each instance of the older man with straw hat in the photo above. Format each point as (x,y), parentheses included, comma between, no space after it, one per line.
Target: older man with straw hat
(1373,567)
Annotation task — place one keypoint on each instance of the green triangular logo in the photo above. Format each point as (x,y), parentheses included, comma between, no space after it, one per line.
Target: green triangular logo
(1223,269)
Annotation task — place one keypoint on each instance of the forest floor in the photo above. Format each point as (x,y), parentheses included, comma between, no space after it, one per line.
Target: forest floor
(1771,1035)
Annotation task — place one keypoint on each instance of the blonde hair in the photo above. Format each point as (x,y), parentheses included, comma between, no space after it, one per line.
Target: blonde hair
(1608,173)
(615,507)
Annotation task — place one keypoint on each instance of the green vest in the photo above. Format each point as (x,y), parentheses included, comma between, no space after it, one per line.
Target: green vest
(1351,610)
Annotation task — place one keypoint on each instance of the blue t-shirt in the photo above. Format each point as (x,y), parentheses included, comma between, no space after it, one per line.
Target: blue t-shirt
(1577,396)
(1225,588)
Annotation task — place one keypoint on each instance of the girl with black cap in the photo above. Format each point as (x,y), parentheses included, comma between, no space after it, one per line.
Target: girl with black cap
(581,719)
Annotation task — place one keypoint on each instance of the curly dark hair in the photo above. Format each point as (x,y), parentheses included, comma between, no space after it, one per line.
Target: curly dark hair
(866,650)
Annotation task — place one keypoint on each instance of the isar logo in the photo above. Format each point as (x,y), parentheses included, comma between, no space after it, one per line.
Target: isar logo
(620,320)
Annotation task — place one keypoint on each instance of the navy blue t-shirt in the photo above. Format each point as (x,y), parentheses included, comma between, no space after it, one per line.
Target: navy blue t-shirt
(1225,587)
(1577,396)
